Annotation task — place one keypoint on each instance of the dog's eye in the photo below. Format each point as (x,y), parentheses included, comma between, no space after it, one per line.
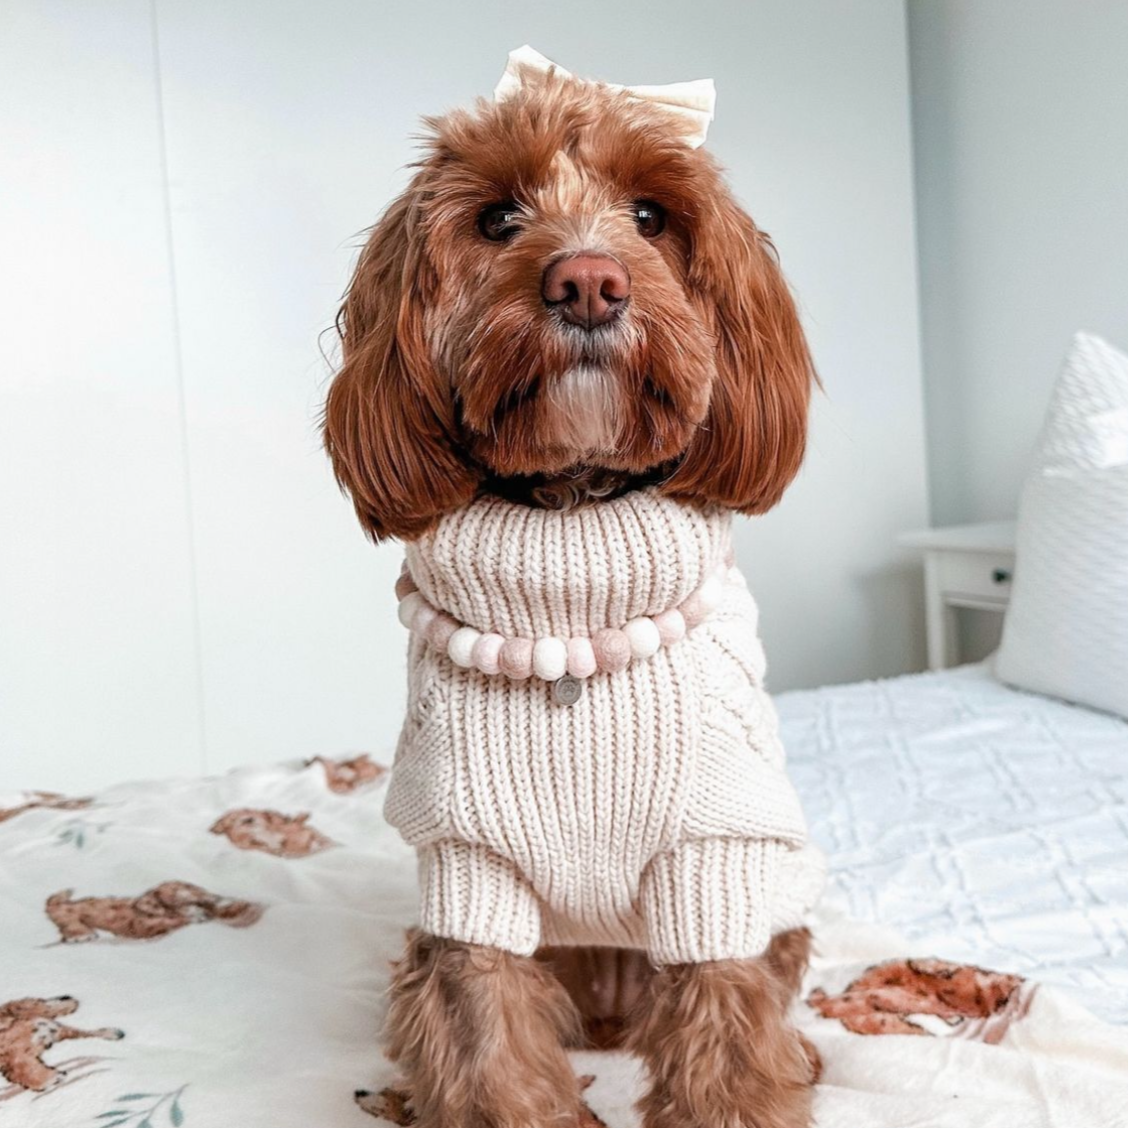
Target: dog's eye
(499,222)
(650,217)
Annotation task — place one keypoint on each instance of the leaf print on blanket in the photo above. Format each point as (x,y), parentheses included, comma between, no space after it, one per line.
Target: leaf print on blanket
(928,997)
(44,800)
(395,1105)
(163,1109)
(284,836)
(28,1029)
(76,832)
(343,776)
(158,911)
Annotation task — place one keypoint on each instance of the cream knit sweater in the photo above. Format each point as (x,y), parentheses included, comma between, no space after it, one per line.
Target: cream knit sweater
(655,811)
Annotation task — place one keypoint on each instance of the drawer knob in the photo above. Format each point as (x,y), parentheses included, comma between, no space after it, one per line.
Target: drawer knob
(1001,575)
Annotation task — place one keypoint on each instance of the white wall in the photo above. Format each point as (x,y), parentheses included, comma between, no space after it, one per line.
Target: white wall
(182,587)
(1021,134)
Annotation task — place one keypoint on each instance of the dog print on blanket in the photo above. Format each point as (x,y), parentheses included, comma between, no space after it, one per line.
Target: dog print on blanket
(284,836)
(28,1029)
(44,800)
(155,913)
(928,997)
(343,776)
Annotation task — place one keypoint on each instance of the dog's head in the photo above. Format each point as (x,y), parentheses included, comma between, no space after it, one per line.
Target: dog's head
(565,286)
(52,1008)
(176,900)
(245,822)
(181,900)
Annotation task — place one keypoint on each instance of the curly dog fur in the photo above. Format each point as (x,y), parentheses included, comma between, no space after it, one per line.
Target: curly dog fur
(480,1033)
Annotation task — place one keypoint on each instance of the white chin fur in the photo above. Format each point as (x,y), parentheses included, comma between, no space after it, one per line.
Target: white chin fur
(583,411)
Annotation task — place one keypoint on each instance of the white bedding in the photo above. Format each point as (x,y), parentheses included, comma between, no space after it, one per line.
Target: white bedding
(984,824)
(987,825)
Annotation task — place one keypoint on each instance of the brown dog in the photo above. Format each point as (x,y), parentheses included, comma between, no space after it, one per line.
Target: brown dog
(44,800)
(30,1027)
(886,998)
(566,305)
(157,912)
(284,836)
(343,776)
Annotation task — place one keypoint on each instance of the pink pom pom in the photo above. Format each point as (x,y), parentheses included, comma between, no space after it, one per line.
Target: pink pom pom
(671,626)
(516,658)
(612,650)
(581,658)
(405,585)
(694,611)
(439,630)
(486,652)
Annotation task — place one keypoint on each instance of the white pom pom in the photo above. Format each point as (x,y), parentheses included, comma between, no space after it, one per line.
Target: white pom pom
(710,593)
(408,606)
(461,646)
(423,618)
(550,658)
(643,636)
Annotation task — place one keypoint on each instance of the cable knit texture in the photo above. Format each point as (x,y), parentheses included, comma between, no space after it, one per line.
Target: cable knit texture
(654,812)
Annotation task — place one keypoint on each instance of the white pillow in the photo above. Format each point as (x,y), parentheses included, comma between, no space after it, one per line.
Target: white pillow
(1066,629)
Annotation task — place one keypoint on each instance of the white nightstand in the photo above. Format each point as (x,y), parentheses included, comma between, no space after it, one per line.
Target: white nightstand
(964,566)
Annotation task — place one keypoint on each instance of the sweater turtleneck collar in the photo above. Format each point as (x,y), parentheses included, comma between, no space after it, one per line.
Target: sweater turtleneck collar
(504,567)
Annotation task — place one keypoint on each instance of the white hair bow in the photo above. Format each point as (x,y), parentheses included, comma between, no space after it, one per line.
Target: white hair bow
(693,101)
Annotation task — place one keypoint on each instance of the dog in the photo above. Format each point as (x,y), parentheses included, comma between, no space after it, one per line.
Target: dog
(343,776)
(566,322)
(28,1029)
(901,997)
(284,836)
(159,911)
(44,800)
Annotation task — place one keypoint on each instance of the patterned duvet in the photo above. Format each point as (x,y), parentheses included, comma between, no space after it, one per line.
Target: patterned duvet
(213,952)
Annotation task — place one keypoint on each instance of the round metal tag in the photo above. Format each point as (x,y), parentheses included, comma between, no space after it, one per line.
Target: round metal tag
(567,690)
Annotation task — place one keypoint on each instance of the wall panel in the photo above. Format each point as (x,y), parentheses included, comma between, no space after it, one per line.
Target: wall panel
(98,664)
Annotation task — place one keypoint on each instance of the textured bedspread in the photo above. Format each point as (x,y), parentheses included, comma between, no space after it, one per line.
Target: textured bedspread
(984,824)
(213,952)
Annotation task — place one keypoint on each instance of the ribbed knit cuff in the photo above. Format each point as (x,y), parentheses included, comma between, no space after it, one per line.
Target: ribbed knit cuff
(710,899)
(802,877)
(471,894)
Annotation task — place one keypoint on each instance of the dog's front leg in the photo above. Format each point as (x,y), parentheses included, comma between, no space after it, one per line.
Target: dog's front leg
(479,1033)
(719,1049)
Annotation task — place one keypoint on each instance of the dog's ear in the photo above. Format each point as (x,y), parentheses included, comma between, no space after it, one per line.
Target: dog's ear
(389,422)
(751,443)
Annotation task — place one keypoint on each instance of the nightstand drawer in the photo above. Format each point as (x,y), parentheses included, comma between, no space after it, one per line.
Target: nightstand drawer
(976,575)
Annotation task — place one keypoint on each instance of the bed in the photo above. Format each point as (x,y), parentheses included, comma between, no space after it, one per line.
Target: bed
(213,952)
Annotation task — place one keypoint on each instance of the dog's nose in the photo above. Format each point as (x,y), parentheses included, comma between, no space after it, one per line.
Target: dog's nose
(587,289)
